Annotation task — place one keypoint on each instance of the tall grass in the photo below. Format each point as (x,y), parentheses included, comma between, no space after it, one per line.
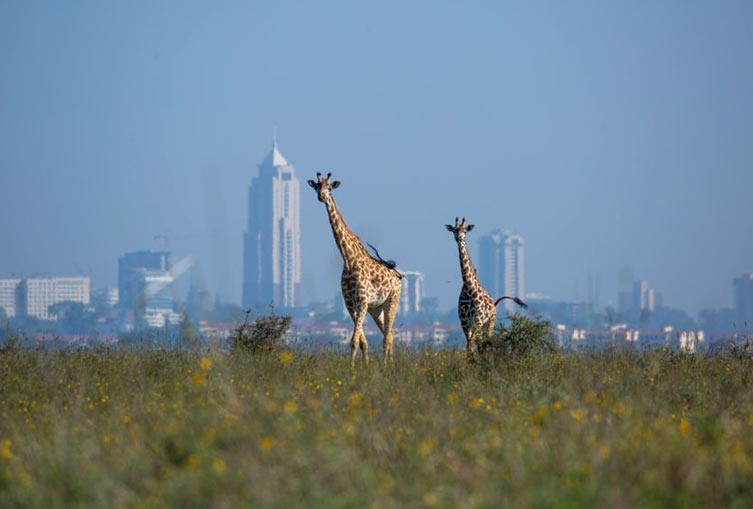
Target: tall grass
(163,428)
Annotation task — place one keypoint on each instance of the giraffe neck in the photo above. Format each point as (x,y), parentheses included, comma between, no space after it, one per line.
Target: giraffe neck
(466,266)
(347,242)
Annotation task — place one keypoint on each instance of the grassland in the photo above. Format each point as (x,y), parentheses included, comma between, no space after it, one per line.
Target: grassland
(157,428)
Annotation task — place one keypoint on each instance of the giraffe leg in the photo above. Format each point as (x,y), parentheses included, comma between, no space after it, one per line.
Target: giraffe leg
(471,344)
(490,325)
(364,346)
(390,311)
(484,332)
(358,338)
(489,329)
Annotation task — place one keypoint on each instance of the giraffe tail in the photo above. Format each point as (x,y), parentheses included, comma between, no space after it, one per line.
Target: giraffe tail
(517,301)
(390,264)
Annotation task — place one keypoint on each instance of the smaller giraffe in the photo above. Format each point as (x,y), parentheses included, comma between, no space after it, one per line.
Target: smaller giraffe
(476,308)
(369,284)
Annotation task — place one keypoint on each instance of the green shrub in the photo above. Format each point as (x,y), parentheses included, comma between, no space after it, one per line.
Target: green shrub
(265,334)
(523,336)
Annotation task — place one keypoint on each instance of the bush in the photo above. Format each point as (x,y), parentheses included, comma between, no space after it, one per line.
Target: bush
(11,343)
(739,348)
(264,334)
(523,336)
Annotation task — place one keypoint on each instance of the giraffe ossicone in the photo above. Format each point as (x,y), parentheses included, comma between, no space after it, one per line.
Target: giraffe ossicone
(369,285)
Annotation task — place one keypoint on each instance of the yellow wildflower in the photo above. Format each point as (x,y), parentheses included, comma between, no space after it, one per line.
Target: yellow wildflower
(426,446)
(199,379)
(684,427)
(286,357)
(354,400)
(219,465)
(267,443)
(290,407)
(5,449)
(739,456)
(205,364)
(476,403)
(578,414)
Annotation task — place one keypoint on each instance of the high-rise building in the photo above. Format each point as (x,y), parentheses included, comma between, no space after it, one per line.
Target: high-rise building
(643,297)
(502,265)
(9,296)
(39,293)
(744,301)
(272,242)
(158,298)
(145,288)
(131,269)
(412,293)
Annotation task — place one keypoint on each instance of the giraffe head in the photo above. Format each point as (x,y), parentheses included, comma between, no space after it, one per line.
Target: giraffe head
(460,229)
(323,186)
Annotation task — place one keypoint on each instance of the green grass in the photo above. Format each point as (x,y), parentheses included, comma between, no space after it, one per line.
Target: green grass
(155,428)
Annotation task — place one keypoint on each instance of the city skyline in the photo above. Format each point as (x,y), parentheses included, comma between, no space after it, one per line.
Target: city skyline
(146,282)
(500,253)
(608,135)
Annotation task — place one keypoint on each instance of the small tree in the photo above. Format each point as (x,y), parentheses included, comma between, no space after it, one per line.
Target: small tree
(264,334)
(523,336)
(188,334)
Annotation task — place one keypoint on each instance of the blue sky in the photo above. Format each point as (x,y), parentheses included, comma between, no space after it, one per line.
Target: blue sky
(608,134)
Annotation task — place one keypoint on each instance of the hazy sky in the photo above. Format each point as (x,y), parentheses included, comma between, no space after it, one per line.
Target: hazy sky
(608,134)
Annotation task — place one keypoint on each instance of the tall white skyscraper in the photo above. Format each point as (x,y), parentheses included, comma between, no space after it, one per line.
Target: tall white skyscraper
(412,294)
(643,296)
(501,266)
(272,242)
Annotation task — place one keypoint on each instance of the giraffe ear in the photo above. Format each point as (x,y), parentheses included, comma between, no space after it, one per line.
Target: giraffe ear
(312,184)
(335,184)
(470,227)
(449,227)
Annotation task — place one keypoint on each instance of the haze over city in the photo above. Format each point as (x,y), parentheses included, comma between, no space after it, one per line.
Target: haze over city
(607,134)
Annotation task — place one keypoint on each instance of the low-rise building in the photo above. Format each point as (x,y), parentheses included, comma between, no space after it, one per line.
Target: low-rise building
(9,296)
(39,293)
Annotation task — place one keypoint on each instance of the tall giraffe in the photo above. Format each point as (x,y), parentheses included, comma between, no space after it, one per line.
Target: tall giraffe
(368,284)
(476,308)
